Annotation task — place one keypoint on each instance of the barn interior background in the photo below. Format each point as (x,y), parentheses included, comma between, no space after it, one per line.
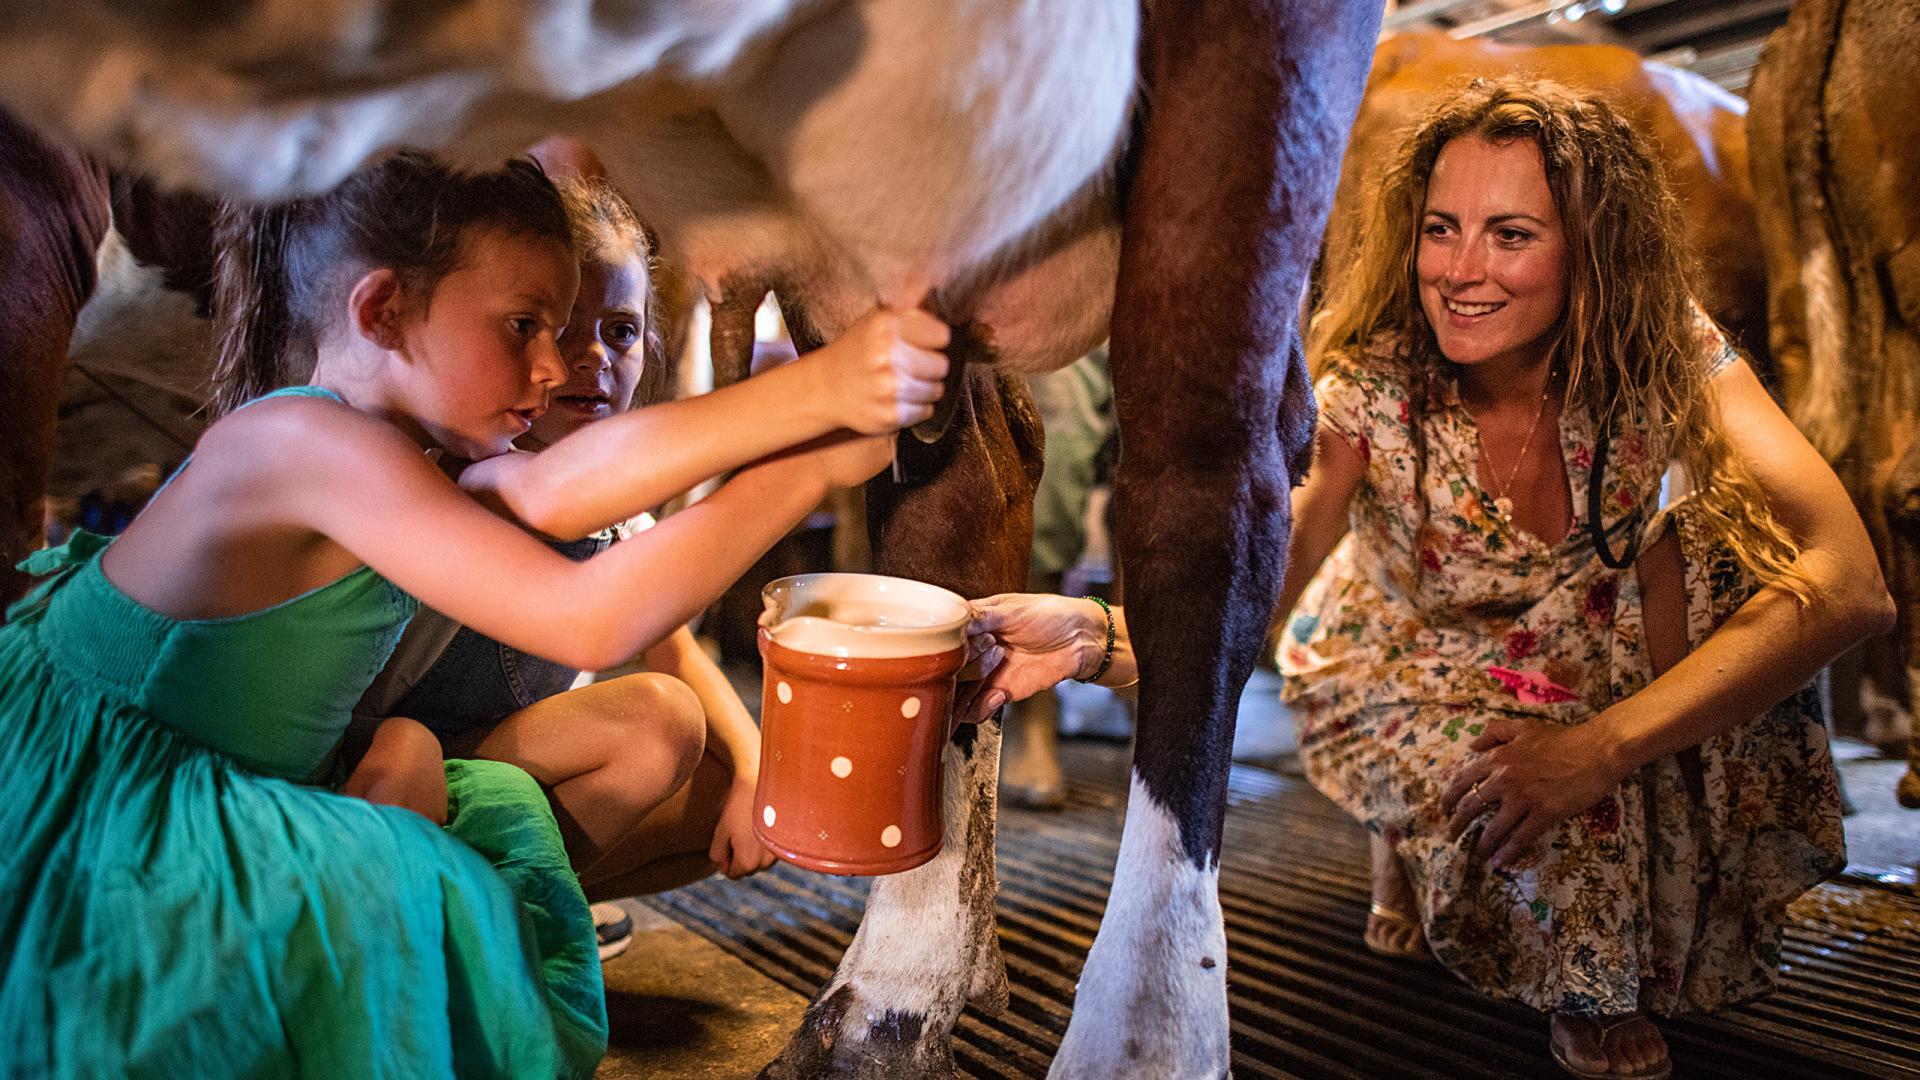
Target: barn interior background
(720,971)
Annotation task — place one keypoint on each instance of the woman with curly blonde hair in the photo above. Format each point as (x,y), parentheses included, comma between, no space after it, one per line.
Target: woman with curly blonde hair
(1570,705)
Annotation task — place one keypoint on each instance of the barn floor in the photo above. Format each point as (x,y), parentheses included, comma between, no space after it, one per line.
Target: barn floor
(720,971)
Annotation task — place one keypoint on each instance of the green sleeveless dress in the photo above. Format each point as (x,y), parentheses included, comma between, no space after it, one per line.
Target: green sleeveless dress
(174,902)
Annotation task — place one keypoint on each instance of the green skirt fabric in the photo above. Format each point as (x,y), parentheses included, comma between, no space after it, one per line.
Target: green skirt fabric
(166,911)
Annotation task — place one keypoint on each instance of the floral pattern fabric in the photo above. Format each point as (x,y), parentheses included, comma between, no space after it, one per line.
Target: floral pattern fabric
(1667,895)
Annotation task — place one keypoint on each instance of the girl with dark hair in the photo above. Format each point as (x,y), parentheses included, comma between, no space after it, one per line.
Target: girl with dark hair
(652,788)
(1570,705)
(175,899)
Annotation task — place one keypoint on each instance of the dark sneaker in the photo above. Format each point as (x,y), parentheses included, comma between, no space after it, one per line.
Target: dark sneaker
(614,927)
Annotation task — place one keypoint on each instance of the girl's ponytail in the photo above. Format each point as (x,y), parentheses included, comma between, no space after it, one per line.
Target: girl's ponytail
(250,304)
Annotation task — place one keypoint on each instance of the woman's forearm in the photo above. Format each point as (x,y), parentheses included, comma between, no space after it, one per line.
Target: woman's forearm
(1319,513)
(732,737)
(1773,644)
(1769,648)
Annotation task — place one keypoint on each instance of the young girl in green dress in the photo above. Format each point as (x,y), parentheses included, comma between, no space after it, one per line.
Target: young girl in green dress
(652,786)
(175,899)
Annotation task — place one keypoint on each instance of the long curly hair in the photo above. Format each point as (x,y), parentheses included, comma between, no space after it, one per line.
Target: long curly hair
(1628,341)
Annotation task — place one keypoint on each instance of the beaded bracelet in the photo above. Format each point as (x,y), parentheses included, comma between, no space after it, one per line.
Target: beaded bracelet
(1106,661)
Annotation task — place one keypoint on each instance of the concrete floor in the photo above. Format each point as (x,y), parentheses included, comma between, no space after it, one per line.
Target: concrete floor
(1883,837)
(683,1009)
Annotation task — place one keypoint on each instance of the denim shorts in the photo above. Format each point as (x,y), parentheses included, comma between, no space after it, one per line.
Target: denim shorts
(477,682)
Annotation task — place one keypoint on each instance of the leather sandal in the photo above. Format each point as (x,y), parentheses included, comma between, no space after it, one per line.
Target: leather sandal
(1398,918)
(1660,1070)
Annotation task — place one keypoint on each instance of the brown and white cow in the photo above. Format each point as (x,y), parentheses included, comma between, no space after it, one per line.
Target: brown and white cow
(1836,151)
(994,159)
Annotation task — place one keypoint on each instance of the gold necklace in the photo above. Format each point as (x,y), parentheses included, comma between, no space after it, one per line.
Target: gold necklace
(1501,500)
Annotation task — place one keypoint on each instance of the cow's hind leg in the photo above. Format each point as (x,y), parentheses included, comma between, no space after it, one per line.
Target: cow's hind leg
(926,946)
(53,215)
(1250,105)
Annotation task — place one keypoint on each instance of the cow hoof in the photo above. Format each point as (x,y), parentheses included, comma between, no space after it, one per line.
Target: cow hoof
(1049,797)
(841,1037)
(1152,999)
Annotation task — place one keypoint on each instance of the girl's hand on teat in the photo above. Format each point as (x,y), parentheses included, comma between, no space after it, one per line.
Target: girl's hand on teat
(885,372)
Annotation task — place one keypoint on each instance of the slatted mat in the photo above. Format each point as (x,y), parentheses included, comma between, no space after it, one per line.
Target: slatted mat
(1307,999)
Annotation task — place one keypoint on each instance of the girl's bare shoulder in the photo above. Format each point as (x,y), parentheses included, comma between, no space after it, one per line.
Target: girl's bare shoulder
(301,432)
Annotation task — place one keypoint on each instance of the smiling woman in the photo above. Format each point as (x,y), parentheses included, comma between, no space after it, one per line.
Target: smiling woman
(1575,718)
(1545,746)
(1492,265)
(1492,260)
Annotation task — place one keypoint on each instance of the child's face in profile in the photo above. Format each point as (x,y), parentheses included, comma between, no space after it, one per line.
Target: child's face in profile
(482,354)
(603,347)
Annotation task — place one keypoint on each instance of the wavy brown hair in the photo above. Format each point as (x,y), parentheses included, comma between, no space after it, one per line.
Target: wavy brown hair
(1628,341)
(282,272)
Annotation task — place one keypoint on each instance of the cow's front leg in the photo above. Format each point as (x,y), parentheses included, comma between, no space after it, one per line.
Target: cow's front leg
(1251,102)
(926,946)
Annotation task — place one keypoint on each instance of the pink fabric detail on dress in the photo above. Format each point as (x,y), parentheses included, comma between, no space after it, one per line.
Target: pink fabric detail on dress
(1531,687)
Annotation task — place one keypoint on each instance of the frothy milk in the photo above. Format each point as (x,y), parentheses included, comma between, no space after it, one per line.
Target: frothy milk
(841,618)
(843,636)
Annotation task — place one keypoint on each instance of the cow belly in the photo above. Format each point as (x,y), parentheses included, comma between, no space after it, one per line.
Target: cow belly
(930,138)
(888,149)
(858,152)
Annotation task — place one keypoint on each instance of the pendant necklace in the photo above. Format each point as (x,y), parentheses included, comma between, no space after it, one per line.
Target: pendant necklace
(1501,499)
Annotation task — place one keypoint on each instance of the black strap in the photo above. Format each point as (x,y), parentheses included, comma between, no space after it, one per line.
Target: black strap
(1594,505)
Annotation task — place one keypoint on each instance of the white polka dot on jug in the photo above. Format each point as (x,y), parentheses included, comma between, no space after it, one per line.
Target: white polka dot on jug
(767,815)
(784,692)
(842,766)
(910,708)
(890,836)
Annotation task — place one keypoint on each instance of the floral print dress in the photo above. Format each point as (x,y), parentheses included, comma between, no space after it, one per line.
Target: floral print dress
(1667,895)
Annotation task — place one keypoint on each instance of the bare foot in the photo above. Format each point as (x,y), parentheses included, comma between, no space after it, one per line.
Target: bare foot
(1393,926)
(1029,755)
(1628,1046)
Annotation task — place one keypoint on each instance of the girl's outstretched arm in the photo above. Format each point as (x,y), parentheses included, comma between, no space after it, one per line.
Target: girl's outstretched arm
(883,374)
(365,487)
